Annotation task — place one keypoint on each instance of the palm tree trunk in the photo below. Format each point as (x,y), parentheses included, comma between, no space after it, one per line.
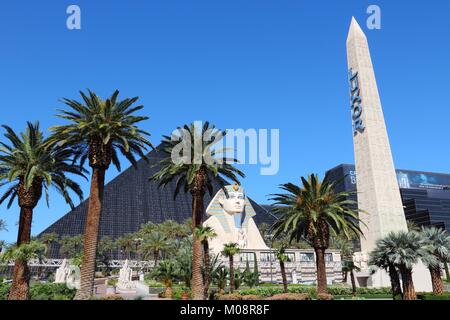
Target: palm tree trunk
(283,276)
(352,278)
(408,286)
(21,274)
(321,271)
(197,277)
(395,281)
(207,274)
(447,272)
(91,234)
(231,274)
(436,280)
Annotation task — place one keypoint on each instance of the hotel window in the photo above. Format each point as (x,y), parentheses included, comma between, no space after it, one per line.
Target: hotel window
(307,257)
(290,257)
(246,256)
(328,257)
(267,256)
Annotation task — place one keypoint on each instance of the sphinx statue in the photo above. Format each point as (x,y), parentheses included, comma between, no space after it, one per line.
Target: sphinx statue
(231,217)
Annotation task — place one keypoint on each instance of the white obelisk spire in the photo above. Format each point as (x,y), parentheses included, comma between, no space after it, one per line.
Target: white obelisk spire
(377,186)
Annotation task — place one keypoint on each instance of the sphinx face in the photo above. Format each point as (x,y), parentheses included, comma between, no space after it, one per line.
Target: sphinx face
(235,203)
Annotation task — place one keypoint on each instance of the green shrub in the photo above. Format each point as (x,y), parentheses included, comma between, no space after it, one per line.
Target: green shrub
(4,290)
(431,296)
(51,291)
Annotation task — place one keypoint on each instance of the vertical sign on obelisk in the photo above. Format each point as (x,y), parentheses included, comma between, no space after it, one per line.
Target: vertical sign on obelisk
(377,186)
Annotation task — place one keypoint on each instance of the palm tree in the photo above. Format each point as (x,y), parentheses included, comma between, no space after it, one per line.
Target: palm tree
(98,130)
(105,249)
(229,250)
(345,247)
(380,257)
(71,246)
(165,272)
(194,172)
(282,258)
(30,164)
(126,243)
(438,242)
(48,239)
(314,212)
(403,249)
(153,245)
(348,266)
(220,277)
(204,233)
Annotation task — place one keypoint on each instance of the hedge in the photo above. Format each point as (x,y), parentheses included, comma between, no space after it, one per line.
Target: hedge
(430,296)
(43,291)
(333,290)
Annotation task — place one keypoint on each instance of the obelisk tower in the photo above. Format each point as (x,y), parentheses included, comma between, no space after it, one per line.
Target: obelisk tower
(377,186)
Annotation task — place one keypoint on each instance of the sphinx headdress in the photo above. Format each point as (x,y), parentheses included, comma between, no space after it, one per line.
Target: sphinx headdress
(215,208)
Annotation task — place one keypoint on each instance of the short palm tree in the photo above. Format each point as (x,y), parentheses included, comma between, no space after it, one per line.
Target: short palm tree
(220,277)
(438,242)
(345,247)
(404,249)
(204,233)
(98,130)
(166,272)
(71,246)
(126,244)
(314,212)
(153,245)
(380,257)
(229,251)
(29,165)
(348,266)
(282,259)
(194,170)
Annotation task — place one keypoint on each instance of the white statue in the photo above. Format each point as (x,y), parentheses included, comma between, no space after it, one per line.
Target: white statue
(125,275)
(62,272)
(294,276)
(68,274)
(231,218)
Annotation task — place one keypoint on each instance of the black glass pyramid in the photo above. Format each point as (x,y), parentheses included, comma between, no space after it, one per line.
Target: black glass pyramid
(131,200)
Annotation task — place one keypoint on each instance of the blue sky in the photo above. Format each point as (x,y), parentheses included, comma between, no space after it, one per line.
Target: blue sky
(240,64)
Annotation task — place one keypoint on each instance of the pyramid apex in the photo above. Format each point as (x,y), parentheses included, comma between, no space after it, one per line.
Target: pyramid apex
(355,30)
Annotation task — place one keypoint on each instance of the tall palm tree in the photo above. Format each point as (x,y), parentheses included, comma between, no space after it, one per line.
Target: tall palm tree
(198,160)
(29,165)
(404,249)
(99,129)
(282,259)
(204,233)
(438,241)
(314,212)
(229,251)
